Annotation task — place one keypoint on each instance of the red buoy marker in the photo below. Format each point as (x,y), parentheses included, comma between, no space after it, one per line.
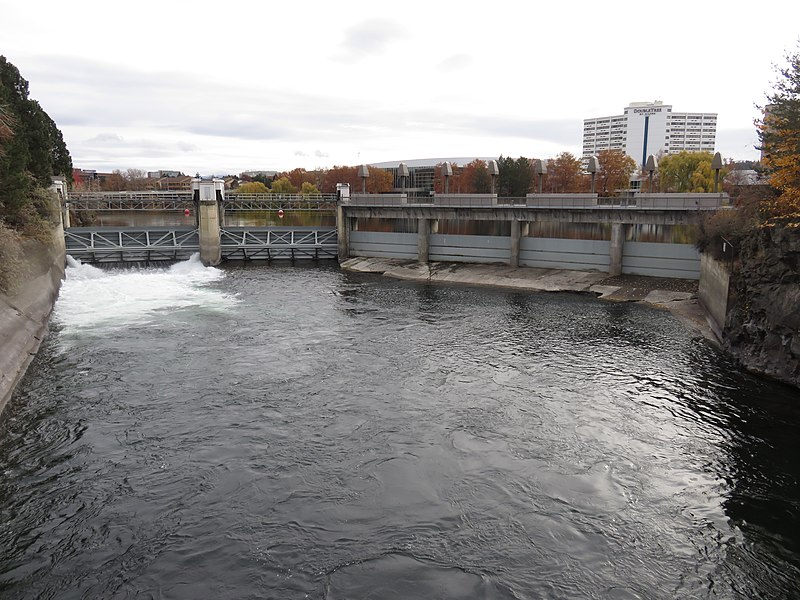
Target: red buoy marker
(280,213)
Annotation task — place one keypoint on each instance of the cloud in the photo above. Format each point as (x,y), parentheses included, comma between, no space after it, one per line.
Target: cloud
(321,154)
(455,62)
(300,153)
(107,138)
(370,37)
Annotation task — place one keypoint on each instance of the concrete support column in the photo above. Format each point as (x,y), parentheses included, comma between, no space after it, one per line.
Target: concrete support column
(210,244)
(423,240)
(513,260)
(65,218)
(615,252)
(342,233)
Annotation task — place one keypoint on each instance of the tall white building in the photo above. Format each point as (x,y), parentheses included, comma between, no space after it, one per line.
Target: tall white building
(649,128)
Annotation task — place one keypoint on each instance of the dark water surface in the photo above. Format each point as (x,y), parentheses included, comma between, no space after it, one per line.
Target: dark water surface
(279,432)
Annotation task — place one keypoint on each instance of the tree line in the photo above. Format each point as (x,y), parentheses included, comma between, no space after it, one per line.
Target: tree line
(32,151)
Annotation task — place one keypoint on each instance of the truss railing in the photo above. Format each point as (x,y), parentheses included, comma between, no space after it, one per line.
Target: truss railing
(115,201)
(271,243)
(99,245)
(286,202)
(178,201)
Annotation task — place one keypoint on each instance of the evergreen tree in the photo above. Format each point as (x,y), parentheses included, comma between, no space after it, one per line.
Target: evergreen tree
(32,153)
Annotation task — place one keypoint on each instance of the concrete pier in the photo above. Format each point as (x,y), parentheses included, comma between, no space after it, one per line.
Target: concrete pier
(209,194)
(423,240)
(342,233)
(513,260)
(615,253)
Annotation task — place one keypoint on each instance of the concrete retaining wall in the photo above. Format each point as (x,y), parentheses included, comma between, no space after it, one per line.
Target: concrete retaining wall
(24,318)
(469,248)
(383,244)
(715,280)
(661,260)
(556,253)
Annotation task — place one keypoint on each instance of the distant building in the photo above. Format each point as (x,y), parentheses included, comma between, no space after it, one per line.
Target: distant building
(647,128)
(269,174)
(161,173)
(422,172)
(181,183)
(87,179)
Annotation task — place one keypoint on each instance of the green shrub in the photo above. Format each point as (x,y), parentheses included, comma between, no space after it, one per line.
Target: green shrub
(12,260)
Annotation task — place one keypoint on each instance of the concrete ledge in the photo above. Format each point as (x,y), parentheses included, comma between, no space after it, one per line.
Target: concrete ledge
(682,303)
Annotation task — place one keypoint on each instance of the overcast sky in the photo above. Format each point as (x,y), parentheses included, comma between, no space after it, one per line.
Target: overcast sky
(222,87)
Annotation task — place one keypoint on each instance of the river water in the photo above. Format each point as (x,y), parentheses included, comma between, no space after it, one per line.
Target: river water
(300,432)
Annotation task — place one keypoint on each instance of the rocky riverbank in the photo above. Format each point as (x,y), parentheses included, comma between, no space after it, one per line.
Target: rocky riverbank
(763,324)
(679,296)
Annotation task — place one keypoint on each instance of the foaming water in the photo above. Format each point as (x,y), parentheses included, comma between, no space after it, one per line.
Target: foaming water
(99,300)
(306,433)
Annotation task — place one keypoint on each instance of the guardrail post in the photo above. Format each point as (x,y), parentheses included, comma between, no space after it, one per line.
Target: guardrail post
(615,251)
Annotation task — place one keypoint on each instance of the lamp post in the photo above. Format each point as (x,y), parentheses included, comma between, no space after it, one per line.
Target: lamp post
(447,172)
(716,164)
(363,172)
(592,167)
(494,171)
(650,166)
(539,169)
(402,172)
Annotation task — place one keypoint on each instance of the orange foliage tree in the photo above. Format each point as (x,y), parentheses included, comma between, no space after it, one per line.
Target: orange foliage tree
(779,132)
(379,181)
(614,172)
(564,175)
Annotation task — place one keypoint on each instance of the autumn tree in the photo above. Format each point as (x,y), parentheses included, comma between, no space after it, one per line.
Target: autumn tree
(282,185)
(135,179)
(115,182)
(564,174)
(472,178)
(614,173)
(341,174)
(253,187)
(477,176)
(687,172)
(779,132)
(380,181)
(297,177)
(309,189)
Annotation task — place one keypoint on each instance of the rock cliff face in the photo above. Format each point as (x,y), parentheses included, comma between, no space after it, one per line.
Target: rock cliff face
(763,323)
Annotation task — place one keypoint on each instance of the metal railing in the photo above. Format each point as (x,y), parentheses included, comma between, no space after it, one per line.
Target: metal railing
(132,244)
(287,202)
(114,201)
(268,243)
(178,201)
